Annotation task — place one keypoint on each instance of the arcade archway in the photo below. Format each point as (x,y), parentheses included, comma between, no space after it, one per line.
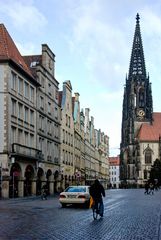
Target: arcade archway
(48,177)
(29,175)
(56,176)
(15,174)
(40,175)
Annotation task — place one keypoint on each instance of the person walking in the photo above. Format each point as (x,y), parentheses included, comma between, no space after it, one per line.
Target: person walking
(146,188)
(44,193)
(151,186)
(97,191)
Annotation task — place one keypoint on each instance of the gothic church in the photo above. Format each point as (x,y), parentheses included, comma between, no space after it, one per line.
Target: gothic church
(141,127)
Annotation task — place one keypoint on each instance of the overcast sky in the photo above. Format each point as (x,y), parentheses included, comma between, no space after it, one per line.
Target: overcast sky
(92,41)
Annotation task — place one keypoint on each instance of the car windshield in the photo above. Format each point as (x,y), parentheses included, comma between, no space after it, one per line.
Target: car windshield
(76,189)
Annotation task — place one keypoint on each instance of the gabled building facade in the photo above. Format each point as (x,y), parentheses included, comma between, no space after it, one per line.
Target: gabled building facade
(47,118)
(148,146)
(45,138)
(89,148)
(114,171)
(102,146)
(82,145)
(67,135)
(30,139)
(78,142)
(18,149)
(138,144)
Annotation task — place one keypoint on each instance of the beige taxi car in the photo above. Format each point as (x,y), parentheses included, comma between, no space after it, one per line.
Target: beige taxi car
(75,195)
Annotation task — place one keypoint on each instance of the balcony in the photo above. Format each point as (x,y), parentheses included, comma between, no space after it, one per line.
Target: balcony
(26,152)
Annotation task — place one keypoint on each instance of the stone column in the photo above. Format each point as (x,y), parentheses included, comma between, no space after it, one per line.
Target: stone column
(33,190)
(5,188)
(51,187)
(21,187)
(59,189)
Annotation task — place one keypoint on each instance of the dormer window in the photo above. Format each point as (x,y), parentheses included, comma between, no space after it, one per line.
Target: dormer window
(33,64)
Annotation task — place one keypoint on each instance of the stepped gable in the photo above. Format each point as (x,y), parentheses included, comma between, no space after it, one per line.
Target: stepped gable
(9,51)
(151,132)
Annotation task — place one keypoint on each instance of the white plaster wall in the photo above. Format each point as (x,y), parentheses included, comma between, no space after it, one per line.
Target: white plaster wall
(117,175)
(155,148)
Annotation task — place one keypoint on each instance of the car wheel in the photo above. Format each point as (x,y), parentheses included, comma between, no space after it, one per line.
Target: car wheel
(63,205)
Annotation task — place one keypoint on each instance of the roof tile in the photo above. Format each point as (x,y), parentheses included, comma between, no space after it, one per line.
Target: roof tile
(8,49)
(114,161)
(151,132)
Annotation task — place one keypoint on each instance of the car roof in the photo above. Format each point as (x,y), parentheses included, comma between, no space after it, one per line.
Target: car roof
(79,186)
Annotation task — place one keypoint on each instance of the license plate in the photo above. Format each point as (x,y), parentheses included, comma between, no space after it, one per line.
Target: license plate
(71,196)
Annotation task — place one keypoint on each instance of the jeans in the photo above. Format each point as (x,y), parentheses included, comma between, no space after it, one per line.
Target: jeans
(100,206)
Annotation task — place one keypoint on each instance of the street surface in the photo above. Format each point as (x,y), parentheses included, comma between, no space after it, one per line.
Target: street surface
(129,215)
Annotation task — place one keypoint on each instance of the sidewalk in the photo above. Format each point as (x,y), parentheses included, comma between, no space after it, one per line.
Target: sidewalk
(29,198)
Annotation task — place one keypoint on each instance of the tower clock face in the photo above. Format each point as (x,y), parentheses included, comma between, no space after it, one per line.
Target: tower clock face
(141,113)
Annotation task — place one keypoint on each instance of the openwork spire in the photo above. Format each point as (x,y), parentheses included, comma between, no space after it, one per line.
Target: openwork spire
(137,63)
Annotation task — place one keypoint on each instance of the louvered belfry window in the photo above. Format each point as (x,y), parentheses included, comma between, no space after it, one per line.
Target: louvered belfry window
(141,98)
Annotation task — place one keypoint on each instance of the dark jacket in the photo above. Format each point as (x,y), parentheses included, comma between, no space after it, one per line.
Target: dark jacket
(97,190)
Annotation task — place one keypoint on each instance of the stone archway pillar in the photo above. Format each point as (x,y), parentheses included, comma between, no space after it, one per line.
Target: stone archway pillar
(21,187)
(33,190)
(5,188)
(51,187)
(59,186)
(63,183)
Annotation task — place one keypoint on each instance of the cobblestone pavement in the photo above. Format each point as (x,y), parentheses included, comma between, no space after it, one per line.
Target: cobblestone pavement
(129,215)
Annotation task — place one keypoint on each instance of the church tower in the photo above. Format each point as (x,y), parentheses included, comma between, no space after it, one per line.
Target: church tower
(137,108)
